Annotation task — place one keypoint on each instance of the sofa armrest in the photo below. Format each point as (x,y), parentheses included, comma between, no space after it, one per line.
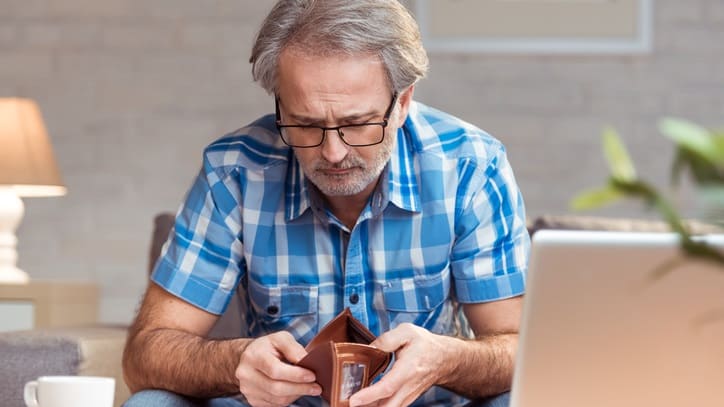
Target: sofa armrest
(578,222)
(86,351)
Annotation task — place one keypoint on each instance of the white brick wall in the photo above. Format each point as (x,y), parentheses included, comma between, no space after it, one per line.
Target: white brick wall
(132,90)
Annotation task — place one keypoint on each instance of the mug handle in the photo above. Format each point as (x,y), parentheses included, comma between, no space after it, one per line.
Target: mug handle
(30,394)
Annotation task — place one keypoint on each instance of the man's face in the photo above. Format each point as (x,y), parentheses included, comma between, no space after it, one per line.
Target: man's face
(336,91)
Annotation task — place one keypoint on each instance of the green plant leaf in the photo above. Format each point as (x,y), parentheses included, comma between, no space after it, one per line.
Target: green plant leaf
(671,216)
(678,167)
(699,151)
(595,198)
(718,141)
(617,156)
(691,137)
(703,251)
(702,171)
(650,196)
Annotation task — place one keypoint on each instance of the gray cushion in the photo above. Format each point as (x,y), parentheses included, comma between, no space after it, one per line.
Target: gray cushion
(26,355)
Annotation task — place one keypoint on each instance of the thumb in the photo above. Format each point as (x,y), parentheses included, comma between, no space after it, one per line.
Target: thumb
(389,341)
(290,349)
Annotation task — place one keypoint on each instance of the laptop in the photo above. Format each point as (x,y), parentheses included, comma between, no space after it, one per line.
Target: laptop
(616,319)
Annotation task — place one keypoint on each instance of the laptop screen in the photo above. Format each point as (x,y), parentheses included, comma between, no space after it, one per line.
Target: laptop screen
(620,319)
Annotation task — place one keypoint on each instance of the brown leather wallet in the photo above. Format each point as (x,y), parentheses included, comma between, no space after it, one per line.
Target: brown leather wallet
(342,359)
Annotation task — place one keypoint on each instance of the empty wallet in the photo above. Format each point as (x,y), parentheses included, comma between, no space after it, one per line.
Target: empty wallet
(342,359)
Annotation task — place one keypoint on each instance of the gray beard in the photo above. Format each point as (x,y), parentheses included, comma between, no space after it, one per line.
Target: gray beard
(361,179)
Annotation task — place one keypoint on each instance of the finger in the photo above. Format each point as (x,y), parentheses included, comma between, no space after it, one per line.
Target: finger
(278,370)
(394,385)
(377,392)
(287,348)
(290,349)
(392,340)
(270,392)
(286,392)
(264,376)
(403,398)
(261,390)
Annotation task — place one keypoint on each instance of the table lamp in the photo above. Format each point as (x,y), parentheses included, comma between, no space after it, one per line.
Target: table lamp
(27,169)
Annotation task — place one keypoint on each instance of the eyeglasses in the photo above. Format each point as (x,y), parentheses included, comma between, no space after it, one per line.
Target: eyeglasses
(354,135)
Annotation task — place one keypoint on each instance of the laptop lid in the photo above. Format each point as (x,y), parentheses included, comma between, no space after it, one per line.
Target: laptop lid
(617,319)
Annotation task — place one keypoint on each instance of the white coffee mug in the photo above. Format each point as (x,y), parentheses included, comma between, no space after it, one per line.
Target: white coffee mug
(67,391)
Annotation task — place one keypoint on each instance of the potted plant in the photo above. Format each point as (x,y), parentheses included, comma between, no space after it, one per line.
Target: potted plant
(699,152)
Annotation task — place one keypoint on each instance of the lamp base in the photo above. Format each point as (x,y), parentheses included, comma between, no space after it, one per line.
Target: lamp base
(13,275)
(11,213)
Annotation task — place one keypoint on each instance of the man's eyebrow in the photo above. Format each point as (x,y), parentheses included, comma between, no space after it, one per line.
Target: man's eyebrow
(354,117)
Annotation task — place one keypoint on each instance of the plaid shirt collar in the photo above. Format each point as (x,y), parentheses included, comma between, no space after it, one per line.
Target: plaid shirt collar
(401,189)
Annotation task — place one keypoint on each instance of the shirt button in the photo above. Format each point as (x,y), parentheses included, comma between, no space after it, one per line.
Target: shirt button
(272,309)
(354,298)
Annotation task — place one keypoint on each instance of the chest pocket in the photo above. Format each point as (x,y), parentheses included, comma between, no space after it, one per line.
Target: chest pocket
(416,300)
(285,307)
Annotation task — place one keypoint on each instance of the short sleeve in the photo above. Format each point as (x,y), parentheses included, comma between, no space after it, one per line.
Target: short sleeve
(201,262)
(490,255)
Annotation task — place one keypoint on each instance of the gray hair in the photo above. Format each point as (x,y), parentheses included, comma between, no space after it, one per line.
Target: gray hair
(329,27)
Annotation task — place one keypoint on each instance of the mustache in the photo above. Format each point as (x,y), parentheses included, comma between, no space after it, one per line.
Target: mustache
(345,164)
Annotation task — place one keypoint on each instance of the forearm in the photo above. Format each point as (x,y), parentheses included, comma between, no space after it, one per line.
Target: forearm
(482,367)
(182,363)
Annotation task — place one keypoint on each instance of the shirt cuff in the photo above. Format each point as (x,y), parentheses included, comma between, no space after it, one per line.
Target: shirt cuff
(197,292)
(490,289)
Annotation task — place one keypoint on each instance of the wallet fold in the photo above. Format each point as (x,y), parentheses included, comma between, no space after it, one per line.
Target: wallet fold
(342,359)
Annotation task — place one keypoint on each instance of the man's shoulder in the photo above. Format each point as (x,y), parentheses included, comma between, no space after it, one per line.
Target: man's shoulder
(433,131)
(256,146)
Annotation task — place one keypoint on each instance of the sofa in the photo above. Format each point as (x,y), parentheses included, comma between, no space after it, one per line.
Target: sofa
(97,350)
(88,350)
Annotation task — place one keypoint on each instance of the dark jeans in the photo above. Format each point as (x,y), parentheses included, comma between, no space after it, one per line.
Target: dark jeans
(160,398)
(501,400)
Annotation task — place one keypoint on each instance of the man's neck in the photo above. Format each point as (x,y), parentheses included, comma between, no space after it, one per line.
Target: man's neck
(348,208)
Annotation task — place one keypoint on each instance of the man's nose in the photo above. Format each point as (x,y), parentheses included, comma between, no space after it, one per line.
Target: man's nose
(333,148)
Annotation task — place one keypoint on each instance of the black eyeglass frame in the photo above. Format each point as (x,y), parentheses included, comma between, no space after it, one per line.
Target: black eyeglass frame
(338,129)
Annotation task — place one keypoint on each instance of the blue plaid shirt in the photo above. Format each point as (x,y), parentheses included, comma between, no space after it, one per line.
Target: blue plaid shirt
(446,225)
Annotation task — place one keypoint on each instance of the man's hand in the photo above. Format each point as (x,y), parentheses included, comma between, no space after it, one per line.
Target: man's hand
(421,360)
(266,377)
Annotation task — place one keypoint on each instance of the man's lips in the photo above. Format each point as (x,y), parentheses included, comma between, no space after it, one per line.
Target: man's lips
(336,171)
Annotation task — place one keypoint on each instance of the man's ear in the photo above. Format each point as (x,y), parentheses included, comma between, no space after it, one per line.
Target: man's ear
(404,100)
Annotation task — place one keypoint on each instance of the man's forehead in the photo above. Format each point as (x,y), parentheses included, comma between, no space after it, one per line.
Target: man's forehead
(291,58)
(302,75)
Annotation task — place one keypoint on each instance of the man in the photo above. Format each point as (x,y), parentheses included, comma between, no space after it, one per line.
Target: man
(351,196)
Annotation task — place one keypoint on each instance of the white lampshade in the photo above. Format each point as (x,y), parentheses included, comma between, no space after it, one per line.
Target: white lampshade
(26,155)
(28,169)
